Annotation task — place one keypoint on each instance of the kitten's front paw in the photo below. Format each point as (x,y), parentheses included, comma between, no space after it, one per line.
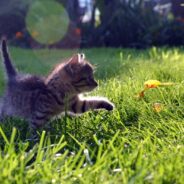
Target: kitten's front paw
(108,106)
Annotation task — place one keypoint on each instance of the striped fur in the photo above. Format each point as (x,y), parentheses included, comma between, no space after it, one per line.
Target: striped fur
(38,99)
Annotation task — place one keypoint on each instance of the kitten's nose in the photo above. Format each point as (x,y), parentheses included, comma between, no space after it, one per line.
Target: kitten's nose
(92,83)
(95,84)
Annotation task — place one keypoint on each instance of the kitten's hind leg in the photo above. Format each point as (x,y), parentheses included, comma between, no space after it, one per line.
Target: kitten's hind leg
(34,126)
(1,112)
(33,132)
(1,118)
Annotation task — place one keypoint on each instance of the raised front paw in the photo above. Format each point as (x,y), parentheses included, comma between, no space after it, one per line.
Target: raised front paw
(108,106)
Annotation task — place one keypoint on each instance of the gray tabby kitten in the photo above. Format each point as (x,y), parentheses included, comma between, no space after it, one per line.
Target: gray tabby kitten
(38,99)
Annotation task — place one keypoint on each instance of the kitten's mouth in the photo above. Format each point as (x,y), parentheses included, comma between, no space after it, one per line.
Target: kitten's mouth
(86,88)
(93,84)
(92,87)
(83,87)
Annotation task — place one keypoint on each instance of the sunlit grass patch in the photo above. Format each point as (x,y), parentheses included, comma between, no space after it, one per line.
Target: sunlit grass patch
(132,144)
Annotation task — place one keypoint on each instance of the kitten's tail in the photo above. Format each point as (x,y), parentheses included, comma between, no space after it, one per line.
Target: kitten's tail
(10,69)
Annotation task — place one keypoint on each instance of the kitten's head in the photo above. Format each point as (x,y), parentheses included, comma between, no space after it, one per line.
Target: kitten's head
(76,73)
(80,74)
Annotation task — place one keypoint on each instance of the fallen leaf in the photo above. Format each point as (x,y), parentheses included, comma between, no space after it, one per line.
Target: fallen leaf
(152,84)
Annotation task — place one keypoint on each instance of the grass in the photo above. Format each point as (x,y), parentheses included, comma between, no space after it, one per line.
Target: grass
(132,144)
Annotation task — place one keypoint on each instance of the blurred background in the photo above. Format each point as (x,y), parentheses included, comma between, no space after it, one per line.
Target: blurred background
(90,23)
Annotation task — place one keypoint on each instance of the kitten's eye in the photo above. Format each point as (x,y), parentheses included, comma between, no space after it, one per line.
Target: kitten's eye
(81,80)
(85,79)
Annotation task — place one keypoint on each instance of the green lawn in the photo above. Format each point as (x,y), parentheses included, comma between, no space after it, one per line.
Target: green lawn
(132,144)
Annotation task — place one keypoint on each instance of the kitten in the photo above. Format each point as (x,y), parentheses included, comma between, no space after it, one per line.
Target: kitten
(38,99)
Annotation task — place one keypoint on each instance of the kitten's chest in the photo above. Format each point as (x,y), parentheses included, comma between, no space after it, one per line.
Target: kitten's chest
(54,103)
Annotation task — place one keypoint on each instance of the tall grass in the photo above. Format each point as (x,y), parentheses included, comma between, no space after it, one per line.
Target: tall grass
(132,144)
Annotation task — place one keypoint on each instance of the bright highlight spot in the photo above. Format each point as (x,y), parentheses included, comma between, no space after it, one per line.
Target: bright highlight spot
(158,107)
(47,21)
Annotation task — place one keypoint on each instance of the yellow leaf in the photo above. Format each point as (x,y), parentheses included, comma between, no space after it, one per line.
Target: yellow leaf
(152,84)
(167,84)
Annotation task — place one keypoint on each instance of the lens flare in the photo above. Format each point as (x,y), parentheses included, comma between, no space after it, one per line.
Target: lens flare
(47,21)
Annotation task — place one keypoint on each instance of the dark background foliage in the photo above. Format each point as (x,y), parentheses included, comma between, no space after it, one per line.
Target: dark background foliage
(123,23)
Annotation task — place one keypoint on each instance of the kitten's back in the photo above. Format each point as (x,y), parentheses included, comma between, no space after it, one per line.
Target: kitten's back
(30,82)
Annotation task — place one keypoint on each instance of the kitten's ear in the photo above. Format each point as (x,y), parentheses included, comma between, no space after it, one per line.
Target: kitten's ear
(77,58)
(70,66)
(73,62)
(81,57)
